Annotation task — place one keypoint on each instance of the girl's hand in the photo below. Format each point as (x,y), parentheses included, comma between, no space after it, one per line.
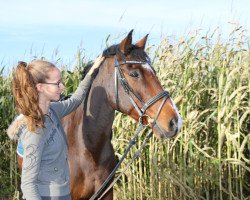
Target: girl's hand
(95,68)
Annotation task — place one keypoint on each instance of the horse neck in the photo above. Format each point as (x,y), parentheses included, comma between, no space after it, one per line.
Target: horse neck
(99,115)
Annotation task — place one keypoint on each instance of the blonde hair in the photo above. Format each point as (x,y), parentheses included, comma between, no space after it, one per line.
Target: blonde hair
(25,78)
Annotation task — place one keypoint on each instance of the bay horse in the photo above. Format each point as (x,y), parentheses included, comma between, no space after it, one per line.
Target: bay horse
(89,128)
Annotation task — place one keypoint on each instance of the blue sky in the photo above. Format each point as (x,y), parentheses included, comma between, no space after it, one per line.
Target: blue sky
(58,28)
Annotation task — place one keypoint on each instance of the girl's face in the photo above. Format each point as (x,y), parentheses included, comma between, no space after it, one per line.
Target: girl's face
(52,87)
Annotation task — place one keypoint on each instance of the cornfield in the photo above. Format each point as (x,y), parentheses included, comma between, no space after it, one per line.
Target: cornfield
(208,78)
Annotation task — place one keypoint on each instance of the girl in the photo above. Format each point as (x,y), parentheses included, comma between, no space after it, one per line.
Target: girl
(37,87)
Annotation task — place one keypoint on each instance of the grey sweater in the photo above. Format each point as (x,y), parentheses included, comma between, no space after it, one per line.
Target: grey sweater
(45,170)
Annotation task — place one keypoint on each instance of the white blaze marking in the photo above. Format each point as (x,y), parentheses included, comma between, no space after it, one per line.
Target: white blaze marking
(147,67)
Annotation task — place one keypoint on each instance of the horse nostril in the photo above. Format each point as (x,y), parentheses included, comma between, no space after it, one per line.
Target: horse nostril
(173,124)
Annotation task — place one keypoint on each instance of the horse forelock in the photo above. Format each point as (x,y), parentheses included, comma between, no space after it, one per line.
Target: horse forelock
(138,54)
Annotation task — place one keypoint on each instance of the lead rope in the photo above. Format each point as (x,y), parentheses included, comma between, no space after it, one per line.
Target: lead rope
(138,152)
(136,155)
(131,143)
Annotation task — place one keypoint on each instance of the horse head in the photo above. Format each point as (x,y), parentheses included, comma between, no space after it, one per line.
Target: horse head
(134,89)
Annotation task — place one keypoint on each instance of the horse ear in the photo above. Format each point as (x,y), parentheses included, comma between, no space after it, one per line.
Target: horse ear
(142,42)
(126,43)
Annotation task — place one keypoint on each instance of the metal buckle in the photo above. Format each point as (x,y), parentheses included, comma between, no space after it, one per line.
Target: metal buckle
(144,118)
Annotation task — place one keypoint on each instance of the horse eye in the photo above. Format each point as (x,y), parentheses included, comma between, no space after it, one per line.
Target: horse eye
(134,74)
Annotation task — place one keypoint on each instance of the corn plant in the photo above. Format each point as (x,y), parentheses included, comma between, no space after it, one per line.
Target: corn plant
(208,77)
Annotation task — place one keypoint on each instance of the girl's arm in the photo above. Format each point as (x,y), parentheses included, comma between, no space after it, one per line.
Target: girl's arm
(33,144)
(63,108)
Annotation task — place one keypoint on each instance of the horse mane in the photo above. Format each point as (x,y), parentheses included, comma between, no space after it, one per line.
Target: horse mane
(136,53)
(86,69)
(111,51)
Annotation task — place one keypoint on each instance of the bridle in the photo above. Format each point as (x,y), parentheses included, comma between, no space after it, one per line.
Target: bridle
(119,76)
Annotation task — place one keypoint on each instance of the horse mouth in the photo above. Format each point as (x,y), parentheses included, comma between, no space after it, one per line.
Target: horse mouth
(162,133)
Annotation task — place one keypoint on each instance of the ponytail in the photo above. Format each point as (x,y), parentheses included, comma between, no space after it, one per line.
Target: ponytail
(25,93)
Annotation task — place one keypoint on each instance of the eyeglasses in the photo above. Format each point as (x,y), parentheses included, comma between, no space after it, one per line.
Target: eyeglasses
(58,83)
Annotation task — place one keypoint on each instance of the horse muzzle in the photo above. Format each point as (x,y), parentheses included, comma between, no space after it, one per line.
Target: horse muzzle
(173,129)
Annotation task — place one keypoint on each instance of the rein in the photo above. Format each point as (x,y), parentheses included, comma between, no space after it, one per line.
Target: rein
(119,76)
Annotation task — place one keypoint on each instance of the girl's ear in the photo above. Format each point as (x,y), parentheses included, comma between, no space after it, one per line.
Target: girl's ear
(39,87)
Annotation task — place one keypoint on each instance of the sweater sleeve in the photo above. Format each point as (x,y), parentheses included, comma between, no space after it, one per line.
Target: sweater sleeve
(63,108)
(33,144)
